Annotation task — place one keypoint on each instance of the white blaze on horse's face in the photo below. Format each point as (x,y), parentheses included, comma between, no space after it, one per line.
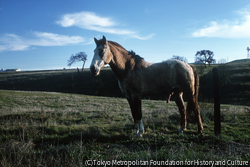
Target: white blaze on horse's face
(97,63)
(102,56)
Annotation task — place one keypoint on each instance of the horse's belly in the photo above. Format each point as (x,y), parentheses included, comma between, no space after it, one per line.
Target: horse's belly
(154,88)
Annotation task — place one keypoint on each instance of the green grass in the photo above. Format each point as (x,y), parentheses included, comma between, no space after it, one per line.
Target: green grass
(239,61)
(234,83)
(59,129)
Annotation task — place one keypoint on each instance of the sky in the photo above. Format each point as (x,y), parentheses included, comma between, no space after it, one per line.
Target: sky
(42,35)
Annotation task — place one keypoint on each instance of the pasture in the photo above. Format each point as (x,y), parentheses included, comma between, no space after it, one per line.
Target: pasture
(59,129)
(50,118)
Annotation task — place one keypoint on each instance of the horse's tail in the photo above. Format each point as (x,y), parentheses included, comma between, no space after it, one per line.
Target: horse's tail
(195,105)
(196,83)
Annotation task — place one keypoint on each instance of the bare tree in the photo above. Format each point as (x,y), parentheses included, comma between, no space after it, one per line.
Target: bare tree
(81,56)
(204,57)
(184,59)
(222,61)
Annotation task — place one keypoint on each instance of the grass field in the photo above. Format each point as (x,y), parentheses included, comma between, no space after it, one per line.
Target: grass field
(60,129)
(52,118)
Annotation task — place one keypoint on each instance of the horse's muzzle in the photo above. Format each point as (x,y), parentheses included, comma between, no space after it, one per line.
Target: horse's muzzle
(94,70)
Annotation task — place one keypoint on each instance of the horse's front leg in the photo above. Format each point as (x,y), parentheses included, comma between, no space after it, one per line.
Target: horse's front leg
(135,106)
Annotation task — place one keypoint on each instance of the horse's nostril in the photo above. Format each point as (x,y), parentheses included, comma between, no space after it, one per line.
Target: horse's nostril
(94,71)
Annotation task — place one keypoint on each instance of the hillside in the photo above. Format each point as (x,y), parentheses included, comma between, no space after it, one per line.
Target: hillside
(239,61)
(234,81)
(65,81)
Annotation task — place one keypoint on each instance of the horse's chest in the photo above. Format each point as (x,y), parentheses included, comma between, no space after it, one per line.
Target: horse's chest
(128,87)
(122,87)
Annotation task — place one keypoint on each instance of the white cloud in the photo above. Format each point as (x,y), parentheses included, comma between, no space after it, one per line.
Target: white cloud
(50,39)
(144,38)
(12,42)
(85,20)
(91,21)
(227,29)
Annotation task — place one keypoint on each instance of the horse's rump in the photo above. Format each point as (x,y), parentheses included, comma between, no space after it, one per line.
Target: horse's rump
(197,82)
(165,77)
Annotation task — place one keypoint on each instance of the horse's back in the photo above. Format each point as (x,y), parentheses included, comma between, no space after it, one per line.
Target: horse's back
(181,72)
(168,75)
(176,65)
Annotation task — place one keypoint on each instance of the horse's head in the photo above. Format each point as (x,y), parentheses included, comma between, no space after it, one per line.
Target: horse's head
(102,56)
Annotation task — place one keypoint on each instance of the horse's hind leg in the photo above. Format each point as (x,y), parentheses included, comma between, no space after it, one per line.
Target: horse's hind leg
(135,106)
(193,106)
(198,117)
(190,108)
(182,108)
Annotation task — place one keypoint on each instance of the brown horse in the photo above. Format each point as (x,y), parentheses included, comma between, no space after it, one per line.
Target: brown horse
(136,77)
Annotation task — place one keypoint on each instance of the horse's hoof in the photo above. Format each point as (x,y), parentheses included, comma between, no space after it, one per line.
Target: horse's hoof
(138,134)
(181,130)
(200,133)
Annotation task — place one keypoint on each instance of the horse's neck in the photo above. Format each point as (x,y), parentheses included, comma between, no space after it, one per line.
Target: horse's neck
(122,64)
(118,63)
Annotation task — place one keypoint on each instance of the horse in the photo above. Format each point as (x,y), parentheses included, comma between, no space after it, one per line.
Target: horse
(137,77)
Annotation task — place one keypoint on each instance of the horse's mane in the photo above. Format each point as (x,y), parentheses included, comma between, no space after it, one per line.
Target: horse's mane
(135,56)
(122,49)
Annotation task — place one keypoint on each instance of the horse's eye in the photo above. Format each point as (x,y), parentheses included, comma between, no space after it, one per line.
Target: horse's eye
(101,53)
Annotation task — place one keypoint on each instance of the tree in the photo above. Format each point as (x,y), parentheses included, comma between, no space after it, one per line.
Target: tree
(81,56)
(184,59)
(222,61)
(204,57)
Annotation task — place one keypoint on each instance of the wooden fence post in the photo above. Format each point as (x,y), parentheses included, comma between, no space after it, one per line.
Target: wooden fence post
(216,85)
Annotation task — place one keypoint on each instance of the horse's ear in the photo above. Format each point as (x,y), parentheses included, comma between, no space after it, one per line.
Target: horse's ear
(96,41)
(104,39)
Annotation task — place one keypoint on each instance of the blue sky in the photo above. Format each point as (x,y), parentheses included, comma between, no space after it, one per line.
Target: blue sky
(40,35)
